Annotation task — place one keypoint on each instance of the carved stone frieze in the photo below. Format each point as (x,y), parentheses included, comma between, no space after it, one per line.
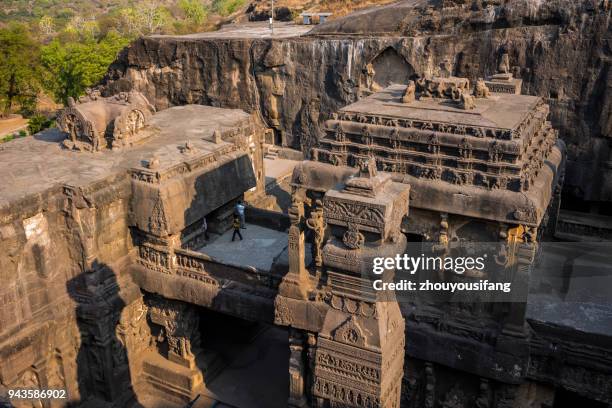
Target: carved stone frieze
(498,158)
(180,329)
(351,333)
(347,211)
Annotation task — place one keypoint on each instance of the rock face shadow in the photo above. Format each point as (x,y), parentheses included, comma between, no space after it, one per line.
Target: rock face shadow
(50,135)
(103,365)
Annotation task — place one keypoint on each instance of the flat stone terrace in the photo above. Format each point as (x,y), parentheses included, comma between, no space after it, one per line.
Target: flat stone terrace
(248,30)
(35,164)
(503,112)
(259,248)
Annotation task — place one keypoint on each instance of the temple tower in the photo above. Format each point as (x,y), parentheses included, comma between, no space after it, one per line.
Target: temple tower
(356,342)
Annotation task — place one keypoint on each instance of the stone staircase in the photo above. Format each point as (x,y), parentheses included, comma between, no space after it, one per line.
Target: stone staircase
(271,152)
(583,227)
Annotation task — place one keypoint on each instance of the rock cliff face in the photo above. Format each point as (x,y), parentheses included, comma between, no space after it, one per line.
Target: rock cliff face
(560,48)
(57,253)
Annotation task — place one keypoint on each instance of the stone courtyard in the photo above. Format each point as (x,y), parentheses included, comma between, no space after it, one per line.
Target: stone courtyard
(123,287)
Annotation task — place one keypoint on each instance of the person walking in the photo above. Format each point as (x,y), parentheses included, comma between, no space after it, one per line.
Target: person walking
(205,228)
(236,226)
(240,211)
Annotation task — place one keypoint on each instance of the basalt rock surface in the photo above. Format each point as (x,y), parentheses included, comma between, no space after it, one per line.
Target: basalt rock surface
(559,48)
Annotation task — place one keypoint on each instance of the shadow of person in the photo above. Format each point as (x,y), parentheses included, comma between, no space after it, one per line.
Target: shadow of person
(103,369)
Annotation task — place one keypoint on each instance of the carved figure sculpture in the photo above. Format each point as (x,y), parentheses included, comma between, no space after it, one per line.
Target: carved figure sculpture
(318,225)
(73,126)
(436,89)
(188,148)
(352,238)
(128,124)
(366,138)
(466,100)
(90,95)
(504,64)
(421,85)
(217,136)
(369,73)
(481,90)
(340,135)
(410,93)
(367,168)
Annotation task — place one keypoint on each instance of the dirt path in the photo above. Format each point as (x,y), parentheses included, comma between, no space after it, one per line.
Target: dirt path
(12,124)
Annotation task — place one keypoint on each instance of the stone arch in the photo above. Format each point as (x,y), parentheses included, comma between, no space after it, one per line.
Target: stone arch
(391,67)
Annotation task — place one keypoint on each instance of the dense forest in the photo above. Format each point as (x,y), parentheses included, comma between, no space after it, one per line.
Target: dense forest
(58,48)
(61,47)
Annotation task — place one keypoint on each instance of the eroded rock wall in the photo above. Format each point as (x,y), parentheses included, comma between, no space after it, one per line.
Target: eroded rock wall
(560,49)
(69,314)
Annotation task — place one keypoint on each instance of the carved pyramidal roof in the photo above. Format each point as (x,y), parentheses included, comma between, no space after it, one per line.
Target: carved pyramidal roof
(439,136)
(499,144)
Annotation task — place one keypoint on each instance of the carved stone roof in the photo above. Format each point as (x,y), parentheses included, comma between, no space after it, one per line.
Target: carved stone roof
(498,161)
(499,112)
(501,144)
(34,165)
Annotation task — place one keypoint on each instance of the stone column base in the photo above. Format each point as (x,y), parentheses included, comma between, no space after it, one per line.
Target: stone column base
(176,382)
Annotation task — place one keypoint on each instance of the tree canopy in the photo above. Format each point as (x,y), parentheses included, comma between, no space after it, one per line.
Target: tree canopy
(19,67)
(74,66)
(65,46)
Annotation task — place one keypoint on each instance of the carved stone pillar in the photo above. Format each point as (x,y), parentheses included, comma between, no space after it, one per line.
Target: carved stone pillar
(522,251)
(317,224)
(297,282)
(296,240)
(297,369)
(102,359)
(178,336)
(180,330)
(512,341)
(359,356)
(515,321)
(430,386)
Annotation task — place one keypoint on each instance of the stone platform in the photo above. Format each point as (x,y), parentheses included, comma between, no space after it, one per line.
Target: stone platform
(259,248)
(32,165)
(255,376)
(499,112)
(248,30)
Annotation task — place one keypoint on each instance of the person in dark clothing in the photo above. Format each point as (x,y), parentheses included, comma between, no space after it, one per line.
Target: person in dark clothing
(236,226)
(205,228)
(239,210)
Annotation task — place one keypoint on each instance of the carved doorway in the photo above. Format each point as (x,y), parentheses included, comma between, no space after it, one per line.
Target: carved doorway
(568,399)
(255,359)
(390,68)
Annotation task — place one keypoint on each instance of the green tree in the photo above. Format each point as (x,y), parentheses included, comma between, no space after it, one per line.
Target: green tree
(38,123)
(19,67)
(74,66)
(194,11)
(227,7)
